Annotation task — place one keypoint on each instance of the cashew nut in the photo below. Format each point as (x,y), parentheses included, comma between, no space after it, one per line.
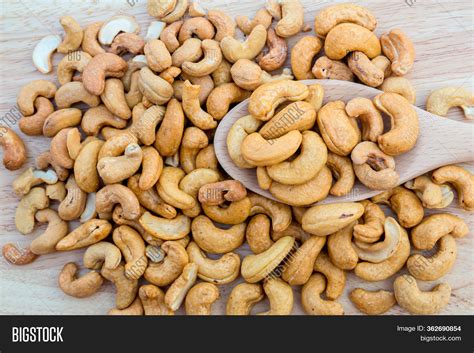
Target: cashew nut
(56,230)
(364,69)
(75,92)
(257,233)
(164,273)
(192,107)
(370,230)
(86,234)
(246,25)
(43,52)
(116,24)
(292,18)
(401,86)
(179,288)
(340,248)
(279,213)
(166,229)
(126,288)
(302,55)
(225,25)
(200,299)
(242,298)
(90,43)
(461,179)
(102,254)
(336,278)
(30,177)
(237,134)
(372,302)
(153,300)
(74,34)
(234,50)
(28,94)
(399,49)
(85,166)
(74,61)
(311,298)
(33,125)
(82,287)
(35,200)
(73,205)
(109,195)
(341,169)
(325,68)
(280,296)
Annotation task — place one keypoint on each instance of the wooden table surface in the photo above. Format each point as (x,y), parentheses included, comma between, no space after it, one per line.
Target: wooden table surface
(443,35)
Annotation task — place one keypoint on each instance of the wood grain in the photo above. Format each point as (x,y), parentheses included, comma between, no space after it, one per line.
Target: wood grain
(442,34)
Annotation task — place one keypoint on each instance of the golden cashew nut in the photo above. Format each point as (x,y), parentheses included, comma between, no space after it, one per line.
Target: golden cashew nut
(225,25)
(400,50)
(74,34)
(277,52)
(127,43)
(152,166)
(169,35)
(216,240)
(75,202)
(74,61)
(342,171)
(220,271)
(430,194)
(176,293)
(401,86)
(279,213)
(102,254)
(75,92)
(222,73)
(280,296)
(234,50)
(372,302)
(371,229)
(133,249)
(211,60)
(28,94)
(30,177)
(369,116)
(33,125)
(257,267)
(311,298)
(347,37)
(299,267)
(221,97)
(126,288)
(166,229)
(96,118)
(340,248)
(336,278)
(216,193)
(461,179)
(441,100)
(236,213)
(99,67)
(90,43)
(199,26)
(29,204)
(85,166)
(170,132)
(160,8)
(404,133)
(169,191)
(257,233)
(292,18)
(190,50)
(246,25)
(14,150)
(82,287)
(242,298)
(364,69)
(153,300)
(325,68)
(116,169)
(415,301)
(192,107)
(86,234)
(331,16)
(110,195)
(200,298)
(56,230)
(157,55)
(206,158)
(242,128)
(166,272)
(153,87)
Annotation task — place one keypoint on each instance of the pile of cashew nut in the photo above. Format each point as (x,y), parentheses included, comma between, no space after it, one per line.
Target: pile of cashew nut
(132,161)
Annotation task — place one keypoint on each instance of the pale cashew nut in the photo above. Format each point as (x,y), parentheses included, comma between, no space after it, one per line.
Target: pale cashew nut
(222,73)
(339,131)
(425,235)
(257,267)
(30,177)
(341,169)
(86,234)
(221,97)
(56,230)
(178,11)
(44,160)
(292,18)
(82,287)
(315,96)
(312,191)
(340,248)
(401,86)
(33,125)
(311,299)
(75,202)
(216,240)
(246,25)
(75,92)
(153,87)
(160,8)
(404,133)
(373,168)
(236,135)
(436,266)
(442,99)
(242,298)
(166,229)
(153,300)
(369,116)
(323,220)
(28,94)
(219,271)
(372,302)
(109,195)
(179,288)
(165,272)
(336,278)
(371,229)
(347,37)
(325,68)
(399,49)
(102,254)
(154,30)
(74,61)
(415,301)
(196,10)
(364,69)
(331,16)
(257,233)
(74,34)
(126,288)
(279,213)
(29,204)
(211,60)
(43,52)
(234,50)
(430,194)
(302,55)
(200,299)
(85,166)
(299,267)
(90,43)
(280,296)
(225,25)
(169,191)
(116,24)
(133,249)
(380,271)
(249,75)
(461,179)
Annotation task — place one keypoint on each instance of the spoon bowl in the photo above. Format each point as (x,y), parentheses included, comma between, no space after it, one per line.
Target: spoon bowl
(441,142)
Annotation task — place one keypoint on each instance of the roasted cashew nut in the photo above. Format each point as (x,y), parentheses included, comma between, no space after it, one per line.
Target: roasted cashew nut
(461,179)
(30,178)
(126,288)
(343,173)
(225,25)
(237,134)
(280,296)
(200,299)
(219,100)
(311,298)
(372,302)
(336,278)
(102,254)
(369,116)
(110,195)
(35,200)
(371,229)
(82,287)
(153,300)
(234,50)
(279,213)
(165,272)
(242,298)
(325,68)
(179,288)
(56,230)
(399,49)
(340,248)
(86,234)
(133,249)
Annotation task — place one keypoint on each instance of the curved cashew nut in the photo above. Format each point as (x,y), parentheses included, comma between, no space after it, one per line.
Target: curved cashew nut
(325,68)
(407,206)
(372,302)
(199,26)
(383,270)
(192,107)
(19,257)
(221,97)
(300,267)
(160,8)
(74,61)
(177,13)
(206,158)
(56,230)
(153,300)
(82,287)
(164,273)
(311,298)
(90,43)
(410,298)
(225,25)
(111,28)
(399,49)
(371,229)
(109,195)
(242,298)
(86,234)
(220,271)
(166,229)
(35,200)
(257,233)
(257,267)
(277,52)
(28,94)
(364,69)
(157,55)
(133,248)
(302,55)
(179,288)
(401,86)
(216,193)
(191,184)
(336,278)
(443,99)
(237,212)
(246,25)
(74,34)
(169,191)
(99,67)
(237,134)
(429,193)
(30,177)
(75,202)
(61,119)
(211,60)
(279,213)
(461,179)
(331,16)
(43,52)
(347,37)
(44,160)
(114,98)
(33,125)
(200,299)
(116,169)
(234,50)
(369,116)
(134,309)
(126,288)
(404,121)
(340,249)
(169,35)
(102,254)
(85,166)
(96,118)
(292,18)
(341,169)
(75,92)
(280,296)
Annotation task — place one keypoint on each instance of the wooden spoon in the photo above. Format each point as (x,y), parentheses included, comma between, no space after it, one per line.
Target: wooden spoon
(441,142)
